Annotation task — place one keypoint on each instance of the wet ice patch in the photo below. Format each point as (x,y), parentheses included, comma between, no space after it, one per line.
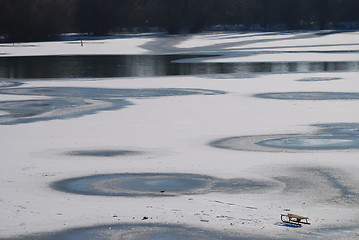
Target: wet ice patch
(318,79)
(27,111)
(313,142)
(329,137)
(106,93)
(103,153)
(346,129)
(247,143)
(142,184)
(69,102)
(136,232)
(157,185)
(310,95)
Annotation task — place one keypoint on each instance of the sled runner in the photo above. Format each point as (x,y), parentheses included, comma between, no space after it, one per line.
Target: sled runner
(294,219)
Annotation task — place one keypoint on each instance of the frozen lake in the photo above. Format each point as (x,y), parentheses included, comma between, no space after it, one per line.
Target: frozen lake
(208,136)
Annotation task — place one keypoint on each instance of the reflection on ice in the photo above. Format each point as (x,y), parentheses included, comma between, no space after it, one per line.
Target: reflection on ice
(92,66)
(102,66)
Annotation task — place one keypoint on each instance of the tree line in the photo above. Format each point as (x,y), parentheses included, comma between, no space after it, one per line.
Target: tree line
(22,20)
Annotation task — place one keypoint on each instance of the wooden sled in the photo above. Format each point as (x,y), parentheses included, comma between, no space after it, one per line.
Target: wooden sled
(294,219)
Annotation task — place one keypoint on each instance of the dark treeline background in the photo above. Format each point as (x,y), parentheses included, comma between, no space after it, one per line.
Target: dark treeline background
(23,20)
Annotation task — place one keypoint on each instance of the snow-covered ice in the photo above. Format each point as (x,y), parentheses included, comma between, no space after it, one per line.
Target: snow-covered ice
(106,46)
(172,134)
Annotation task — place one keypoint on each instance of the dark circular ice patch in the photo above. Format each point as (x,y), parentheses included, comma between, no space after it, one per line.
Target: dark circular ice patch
(313,142)
(318,79)
(330,137)
(310,95)
(141,184)
(103,153)
(137,232)
(247,143)
(157,185)
(346,129)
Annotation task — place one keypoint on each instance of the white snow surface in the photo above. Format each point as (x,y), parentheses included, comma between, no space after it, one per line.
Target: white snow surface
(112,46)
(174,132)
